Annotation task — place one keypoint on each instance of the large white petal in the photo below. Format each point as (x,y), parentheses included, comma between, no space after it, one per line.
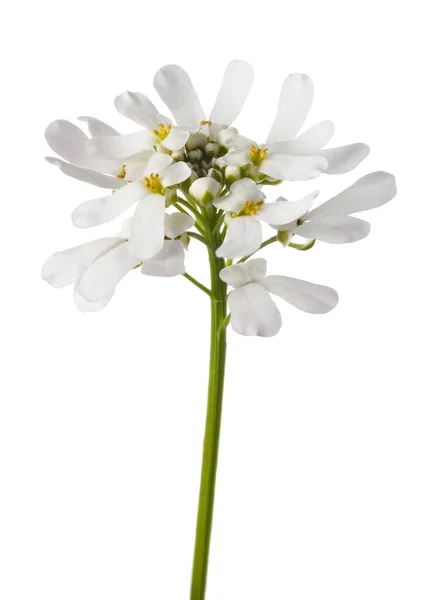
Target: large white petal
(253,312)
(176,224)
(311,141)
(344,158)
(97,127)
(87,175)
(176,139)
(139,108)
(236,140)
(68,141)
(293,168)
(175,88)
(85,305)
(66,267)
(101,210)
(205,189)
(243,237)
(242,273)
(121,146)
(237,158)
(295,100)
(175,173)
(147,227)
(309,297)
(247,189)
(335,230)
(102,276)
(280,212)
(371,191)
(237,82)
(169,261)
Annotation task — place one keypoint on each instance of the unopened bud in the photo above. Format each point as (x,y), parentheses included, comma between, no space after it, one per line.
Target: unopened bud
(196,140)
(212,149)
(178,154)
(195,155)
(251,172)
(216,175)
(232,174)
(202,173)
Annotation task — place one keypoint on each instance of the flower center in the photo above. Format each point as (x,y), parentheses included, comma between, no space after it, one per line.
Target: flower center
(162,131)
(257,155)
(249,209)
(153,183)
(205,123)
(122,173)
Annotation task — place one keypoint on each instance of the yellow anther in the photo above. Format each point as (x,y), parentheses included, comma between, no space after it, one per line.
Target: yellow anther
(257,155)
(153,183)
(206,123)
(162,131)
(122,173)
(249,209)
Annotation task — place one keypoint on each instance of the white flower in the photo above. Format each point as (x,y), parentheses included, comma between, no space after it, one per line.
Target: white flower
(285,156)
(95,268)
(69,142)
(153,177)
(331,221)
(247,208)
(253,312)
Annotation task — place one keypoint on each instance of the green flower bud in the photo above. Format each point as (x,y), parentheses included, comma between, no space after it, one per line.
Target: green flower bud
(232,174)
(170,197)
(284,237)
(195,155)
(178,154)
(202,173)
(216,175)
(196,140)
(251,172)
(212,149)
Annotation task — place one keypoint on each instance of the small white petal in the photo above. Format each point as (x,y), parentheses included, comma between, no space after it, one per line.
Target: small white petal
(175,88)
(247,189)
(205,189)
(240,274)
(345,158)
(175,173)
(309,142)
(306,296)
(237,158)
(335,230)
(147,227)
(295,101)
(97,127)
(87,175)
(371,191)
(176,139)
(102,276)
(66,267)
(84,305)
(101,210)
(157,162)
(139,108)
(121,146)
(285,212)
(293,168)
(240,142)
(237,82)
(169,262)
(253,312)
(176,224)
(136,167)
(243,237)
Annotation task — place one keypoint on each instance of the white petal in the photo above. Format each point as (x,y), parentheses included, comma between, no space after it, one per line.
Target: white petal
(240,142)
(121,146)
(175,173)
(344,158)
(205,189)
(243,237)
(87,175)
(306,296)
(157,162)
(253,312)
(175,88)
(247,189)
(97,127)
(335,230)
(169,262)
(285,212)
(242,273)
(311,141)
(68,141)
(136,167)
(147,227)
(101,210)
(85,305)
(139,108)
(293,168)
(237,82)
(176,139)
(295,100)
(102,276)
(237,158)
(66,267)
(176,224)
(371,191)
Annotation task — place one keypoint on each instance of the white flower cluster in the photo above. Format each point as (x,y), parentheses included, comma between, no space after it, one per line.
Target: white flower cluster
(215,179)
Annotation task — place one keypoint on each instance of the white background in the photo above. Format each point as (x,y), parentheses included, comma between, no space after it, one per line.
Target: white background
(320,491)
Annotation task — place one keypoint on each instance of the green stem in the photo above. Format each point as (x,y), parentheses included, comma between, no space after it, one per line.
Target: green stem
(197,283)
(212,425)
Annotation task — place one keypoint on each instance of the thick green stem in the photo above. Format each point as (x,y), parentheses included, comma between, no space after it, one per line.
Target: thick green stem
(212,426)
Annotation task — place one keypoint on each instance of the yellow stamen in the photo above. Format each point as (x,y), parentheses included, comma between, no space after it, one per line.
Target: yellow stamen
(162,131)
(257,155)
(122,173)
(249,209)
(206,123)
(153,183)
